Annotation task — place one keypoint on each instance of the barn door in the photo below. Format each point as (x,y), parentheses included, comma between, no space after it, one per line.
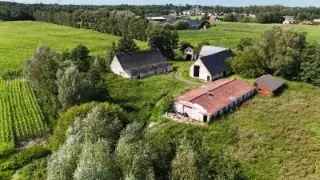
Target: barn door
(196,71)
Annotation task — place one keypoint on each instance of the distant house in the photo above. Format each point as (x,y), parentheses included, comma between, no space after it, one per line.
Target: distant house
(139,64)
(211,63)
(316,21)
(289,20)
(268,85)
(197,24)
(213,99)
(157,19)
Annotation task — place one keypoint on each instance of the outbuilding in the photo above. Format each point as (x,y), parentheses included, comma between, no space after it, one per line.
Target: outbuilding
(213,99)
(211,63)
(268,85)
(137,65)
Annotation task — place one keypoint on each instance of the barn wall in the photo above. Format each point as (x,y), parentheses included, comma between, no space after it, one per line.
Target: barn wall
(116,68)
(192,112)
(203,74)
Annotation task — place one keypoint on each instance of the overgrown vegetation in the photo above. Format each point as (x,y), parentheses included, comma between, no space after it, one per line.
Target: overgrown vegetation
(279,52)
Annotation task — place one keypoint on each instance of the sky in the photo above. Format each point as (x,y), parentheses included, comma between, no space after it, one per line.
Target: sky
(181,2)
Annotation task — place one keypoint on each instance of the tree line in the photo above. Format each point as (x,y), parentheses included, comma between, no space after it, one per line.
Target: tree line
(279,52)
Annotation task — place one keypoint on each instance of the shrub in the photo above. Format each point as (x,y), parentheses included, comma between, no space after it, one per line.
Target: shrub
(24,157)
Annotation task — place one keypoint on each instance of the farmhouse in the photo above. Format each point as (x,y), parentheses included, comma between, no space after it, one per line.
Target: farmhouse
(213,99)
(268,85)
(139,64)
(289,20)
(211,63)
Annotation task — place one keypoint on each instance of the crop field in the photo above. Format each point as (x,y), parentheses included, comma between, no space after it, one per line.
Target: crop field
(18,41)
(20,116)
(228,34)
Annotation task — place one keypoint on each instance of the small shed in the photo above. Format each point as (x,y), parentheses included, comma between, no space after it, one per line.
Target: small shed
(268,85)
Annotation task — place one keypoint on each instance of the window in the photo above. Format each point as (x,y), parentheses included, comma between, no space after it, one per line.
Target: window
(208,78)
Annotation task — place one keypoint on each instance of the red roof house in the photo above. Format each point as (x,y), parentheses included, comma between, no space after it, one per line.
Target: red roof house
(213,99)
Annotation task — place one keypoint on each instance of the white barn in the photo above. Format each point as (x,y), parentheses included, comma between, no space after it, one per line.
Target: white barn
(211,63)
(139,64)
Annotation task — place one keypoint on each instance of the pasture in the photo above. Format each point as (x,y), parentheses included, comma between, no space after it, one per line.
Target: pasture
(273,138)
(229,34)
(19,40)
(20,114)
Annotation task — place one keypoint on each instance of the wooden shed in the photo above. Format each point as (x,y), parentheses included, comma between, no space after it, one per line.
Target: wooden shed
(267,85)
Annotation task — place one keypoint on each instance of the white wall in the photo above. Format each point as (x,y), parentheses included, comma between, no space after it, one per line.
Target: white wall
(203,73)
(117,68)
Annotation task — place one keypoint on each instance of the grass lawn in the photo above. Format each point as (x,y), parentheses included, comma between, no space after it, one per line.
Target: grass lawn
(19,40)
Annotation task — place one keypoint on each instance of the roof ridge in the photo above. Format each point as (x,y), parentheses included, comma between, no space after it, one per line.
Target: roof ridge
(221,85)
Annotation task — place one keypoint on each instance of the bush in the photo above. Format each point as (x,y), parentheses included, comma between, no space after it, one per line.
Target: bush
(24,157)
(58,136)
(34,171)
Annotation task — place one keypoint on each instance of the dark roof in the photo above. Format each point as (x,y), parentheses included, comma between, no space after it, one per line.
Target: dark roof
(269,82)
(140,61)
(194,23)
(216,63)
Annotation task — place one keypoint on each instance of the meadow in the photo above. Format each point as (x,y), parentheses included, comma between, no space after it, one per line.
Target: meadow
(20,114)
(19,40)
(228,34)
(272,137)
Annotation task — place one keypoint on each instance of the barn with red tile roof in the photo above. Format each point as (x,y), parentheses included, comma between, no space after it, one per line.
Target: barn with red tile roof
(213,99)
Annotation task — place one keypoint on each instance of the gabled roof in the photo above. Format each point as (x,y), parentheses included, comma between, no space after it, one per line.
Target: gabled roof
(133,62)
(216,95)
(194,23)
(209,50)
(269,82)
(214,58)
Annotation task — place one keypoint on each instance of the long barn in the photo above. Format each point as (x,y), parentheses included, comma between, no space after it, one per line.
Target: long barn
(213,99)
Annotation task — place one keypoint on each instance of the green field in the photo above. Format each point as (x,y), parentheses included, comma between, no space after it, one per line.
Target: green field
(18,40)
(272,137)
(20,116)
(228,34)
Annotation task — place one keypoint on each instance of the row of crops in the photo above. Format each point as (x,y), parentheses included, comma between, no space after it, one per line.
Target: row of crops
(20,114)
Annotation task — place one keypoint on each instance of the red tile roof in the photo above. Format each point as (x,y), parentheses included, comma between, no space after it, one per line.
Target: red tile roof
(216,95)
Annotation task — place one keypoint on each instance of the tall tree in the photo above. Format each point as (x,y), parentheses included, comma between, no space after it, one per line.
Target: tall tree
(164,40)
(69,84)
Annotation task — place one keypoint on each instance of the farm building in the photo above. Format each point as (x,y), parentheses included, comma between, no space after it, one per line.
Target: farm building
(268,85)
(197,24)
(211,63)
(213,99)
(189,53)
(289,20)
(139,64)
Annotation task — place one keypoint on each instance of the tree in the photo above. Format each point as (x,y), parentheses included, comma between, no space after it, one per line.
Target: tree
(244,43)
(310,66)
(96,162)
(69,83)
(126,45)
(80,57)
(164,40)
(279,53)
(41,72)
